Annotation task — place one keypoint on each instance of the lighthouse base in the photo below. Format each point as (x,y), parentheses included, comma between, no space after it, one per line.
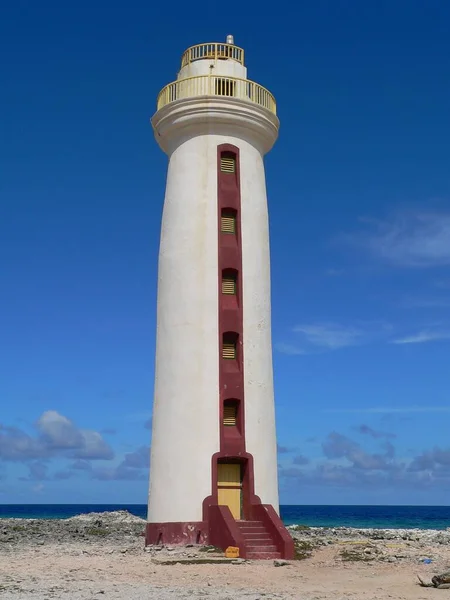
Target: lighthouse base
(222,530)
(176,533)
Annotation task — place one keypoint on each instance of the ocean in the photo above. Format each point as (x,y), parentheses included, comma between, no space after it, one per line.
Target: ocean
(382,517)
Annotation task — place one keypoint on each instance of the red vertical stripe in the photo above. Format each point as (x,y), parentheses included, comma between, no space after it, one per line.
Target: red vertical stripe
(231,372)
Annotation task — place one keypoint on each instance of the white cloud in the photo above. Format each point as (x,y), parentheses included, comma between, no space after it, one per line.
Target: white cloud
(348,464)
(326,336)
(320,337)
(17,445)
(330,336)
(289,349)
(391,409)
(57,436)
(58,431)
(424,302)
(420,239)
(422,337)
(93,447)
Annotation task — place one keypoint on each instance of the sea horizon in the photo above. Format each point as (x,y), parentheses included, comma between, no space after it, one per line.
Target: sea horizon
(140,504)
(363,516)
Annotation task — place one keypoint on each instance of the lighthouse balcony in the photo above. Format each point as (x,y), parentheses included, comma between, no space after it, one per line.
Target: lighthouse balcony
(212,51)
(217,85)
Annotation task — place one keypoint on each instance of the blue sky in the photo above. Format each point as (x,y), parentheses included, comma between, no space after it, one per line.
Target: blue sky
(359,188)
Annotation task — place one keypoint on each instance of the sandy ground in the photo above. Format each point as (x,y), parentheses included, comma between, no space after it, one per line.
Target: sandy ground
(117,567)
(59,572)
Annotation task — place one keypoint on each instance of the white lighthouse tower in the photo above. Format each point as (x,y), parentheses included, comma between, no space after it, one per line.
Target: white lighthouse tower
(213,472)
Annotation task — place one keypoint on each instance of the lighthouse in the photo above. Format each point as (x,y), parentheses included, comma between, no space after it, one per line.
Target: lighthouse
(213,467)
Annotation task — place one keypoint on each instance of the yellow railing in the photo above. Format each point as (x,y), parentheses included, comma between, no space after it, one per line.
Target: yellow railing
(212,51)
(214,85)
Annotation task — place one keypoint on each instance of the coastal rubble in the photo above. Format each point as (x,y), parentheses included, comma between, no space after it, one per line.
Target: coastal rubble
(331,534)
(89,529)
(419,546)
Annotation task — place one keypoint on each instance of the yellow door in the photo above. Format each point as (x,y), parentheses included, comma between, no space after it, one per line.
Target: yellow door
(229,487)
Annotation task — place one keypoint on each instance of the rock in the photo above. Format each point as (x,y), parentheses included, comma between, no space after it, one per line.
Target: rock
(280,563)
(238,561)
(367,550)
(441,538)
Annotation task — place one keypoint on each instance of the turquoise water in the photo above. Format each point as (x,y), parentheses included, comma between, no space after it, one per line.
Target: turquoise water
(396,517)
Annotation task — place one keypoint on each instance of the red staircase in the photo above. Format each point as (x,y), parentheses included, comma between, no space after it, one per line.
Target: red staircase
(264,536)
(258,541)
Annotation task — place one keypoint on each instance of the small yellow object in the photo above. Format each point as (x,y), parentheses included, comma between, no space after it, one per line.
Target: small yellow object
(232,552)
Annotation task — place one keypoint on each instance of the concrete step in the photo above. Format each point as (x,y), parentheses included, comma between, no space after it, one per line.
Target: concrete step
(261,548)
(250,524)
(253,530)
(263,555)
(257,537)
(258,541)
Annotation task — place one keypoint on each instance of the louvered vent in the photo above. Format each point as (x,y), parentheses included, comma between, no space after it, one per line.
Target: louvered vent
(230,414)
(229,285)
(227,164)
(229,350)
(228,222)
